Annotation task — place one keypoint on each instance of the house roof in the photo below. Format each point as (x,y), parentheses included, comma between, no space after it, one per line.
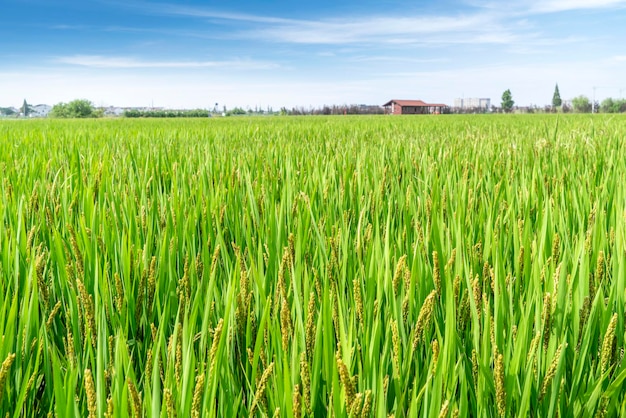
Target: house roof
(417,103)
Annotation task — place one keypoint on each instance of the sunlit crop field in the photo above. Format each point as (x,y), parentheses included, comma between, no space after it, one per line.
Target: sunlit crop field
(435,266)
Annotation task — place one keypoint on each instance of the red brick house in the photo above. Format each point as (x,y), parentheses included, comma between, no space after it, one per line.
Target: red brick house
(412,107)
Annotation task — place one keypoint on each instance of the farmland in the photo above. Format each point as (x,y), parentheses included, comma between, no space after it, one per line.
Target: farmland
(348,266)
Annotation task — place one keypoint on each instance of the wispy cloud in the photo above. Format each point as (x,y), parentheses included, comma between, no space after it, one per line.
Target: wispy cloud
(489,23)
(482,27)
(530,7)
(399,59)
(68,27)
(619,58)
(383,29)
(171,9)
(98,61)
(551,6)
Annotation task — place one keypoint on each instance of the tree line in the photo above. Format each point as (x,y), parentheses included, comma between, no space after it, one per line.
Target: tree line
(334,110)
(82,108)
(579,104)
(79,108)
(158,113)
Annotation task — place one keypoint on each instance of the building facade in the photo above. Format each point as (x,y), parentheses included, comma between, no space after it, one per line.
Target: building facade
(413,107)
(472,103)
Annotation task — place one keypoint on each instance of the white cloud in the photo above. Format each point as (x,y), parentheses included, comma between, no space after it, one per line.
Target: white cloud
(171,9)
(551,6)
(386,29)
(98,61)
(619,58)
(487,22)
(399,59)
(381,29)
(529,7)
(68,27)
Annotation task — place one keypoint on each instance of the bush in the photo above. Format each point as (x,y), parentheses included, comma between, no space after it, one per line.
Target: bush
(610,105)
(80,108)
(581,104)
(236,111)
(196,113)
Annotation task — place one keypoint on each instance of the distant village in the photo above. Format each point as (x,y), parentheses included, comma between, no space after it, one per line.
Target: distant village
(43,111)
(471,105)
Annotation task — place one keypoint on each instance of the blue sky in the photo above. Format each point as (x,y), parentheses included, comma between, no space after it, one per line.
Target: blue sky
(283,53)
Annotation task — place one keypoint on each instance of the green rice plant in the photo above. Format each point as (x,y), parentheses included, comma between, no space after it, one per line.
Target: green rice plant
(293,267)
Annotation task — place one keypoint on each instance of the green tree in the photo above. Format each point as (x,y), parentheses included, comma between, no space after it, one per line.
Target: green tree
(610,105)
(507,101)
(581,104)
(236,111)
(556,98)
(80,108)
(25,108)
(607,105)
(59,110)
(7,111)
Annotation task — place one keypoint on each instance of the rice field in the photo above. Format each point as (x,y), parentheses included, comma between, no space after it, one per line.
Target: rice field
(290,267)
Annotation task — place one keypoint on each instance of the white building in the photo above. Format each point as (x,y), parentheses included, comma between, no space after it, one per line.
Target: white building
(39,111)
(472,103)
(112,111)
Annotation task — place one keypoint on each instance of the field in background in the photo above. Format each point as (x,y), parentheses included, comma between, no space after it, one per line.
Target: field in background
(347,266)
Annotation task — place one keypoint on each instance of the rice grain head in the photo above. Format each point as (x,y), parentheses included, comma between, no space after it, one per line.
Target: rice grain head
(297,401)
(475,368)
(367,404)
(436,272)
(435,348)
(600,269)
(500,385)
(398,274)
(198,391)
(90,390)
(55,310)
(424,319)
(546,317)
(608,344)
(395,338)
(358,301)
(445,407)
(555,249)
(310,326)
(259,395)
(547,380)
(135,398)
(110,408)
(305,376)
(346,380)
(168,400)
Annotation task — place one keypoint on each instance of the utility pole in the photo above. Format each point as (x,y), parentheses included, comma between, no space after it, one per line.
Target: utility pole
(593,103)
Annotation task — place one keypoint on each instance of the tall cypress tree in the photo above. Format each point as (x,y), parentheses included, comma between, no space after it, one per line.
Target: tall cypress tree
(556,97)
(25,108)
(507,101)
